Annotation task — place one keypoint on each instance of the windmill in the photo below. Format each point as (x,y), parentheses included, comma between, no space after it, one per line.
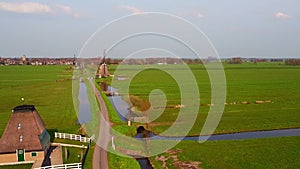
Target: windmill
(74,60)
(102,71)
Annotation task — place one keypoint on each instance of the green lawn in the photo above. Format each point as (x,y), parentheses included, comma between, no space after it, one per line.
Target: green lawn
(73,155)
(121,162)
(21,166)
(73,152)
(266,153)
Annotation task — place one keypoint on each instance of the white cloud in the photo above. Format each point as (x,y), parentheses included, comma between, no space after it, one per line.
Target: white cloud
(200,15)
(195,13)
(25,7)
(68,10)
(38,8)
(283,16)
(131,9)
(191,13)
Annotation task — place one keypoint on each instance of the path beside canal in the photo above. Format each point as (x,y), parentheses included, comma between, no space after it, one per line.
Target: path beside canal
(100,160)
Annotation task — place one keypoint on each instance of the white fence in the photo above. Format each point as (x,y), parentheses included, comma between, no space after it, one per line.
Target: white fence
(72,137)
(68,145)
(63,166)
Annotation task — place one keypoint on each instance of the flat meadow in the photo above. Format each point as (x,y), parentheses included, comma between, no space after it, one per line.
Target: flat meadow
(46,87)
(277,85)
(49,88)
(274,85)
(280,152)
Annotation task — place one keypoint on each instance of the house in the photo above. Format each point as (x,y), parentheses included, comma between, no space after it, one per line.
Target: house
(25,137)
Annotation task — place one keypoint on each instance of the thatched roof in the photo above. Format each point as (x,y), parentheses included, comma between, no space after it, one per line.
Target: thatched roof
(25,130)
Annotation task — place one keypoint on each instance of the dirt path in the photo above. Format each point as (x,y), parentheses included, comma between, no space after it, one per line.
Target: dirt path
(100,160)
(56,156)
(53,156)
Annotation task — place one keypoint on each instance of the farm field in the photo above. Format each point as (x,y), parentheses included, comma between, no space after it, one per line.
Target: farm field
(275,84)
(252,154)
(46,87)
(49,88)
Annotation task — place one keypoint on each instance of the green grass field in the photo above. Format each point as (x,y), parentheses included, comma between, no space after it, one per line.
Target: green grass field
(21,166)
(246,82)
(250,82)
(73,154)
(120,162)
(255,153)
(49,88)
(46,87)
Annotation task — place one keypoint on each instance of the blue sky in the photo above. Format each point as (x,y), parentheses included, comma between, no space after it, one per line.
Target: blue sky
(258,28)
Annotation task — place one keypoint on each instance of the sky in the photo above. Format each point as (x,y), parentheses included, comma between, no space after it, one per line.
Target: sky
(248,28)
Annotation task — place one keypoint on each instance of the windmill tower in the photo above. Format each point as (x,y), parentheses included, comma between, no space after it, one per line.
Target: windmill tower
(102,71)
(74,60)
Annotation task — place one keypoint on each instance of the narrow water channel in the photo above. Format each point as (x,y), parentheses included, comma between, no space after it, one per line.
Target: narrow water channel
(238,136)
(120,105)
(84,105)
(122,108)
(144,163)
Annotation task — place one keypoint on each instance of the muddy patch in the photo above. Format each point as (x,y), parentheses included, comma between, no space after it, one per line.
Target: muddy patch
(172,155)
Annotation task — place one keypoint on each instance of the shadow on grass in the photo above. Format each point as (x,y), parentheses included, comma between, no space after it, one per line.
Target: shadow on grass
(51,132)
(85,155)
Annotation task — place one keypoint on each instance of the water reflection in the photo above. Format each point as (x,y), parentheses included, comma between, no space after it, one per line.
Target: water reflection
(237,136)
(120,106)
(84,105)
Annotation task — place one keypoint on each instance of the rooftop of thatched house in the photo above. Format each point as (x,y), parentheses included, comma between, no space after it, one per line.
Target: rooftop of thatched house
(25,130)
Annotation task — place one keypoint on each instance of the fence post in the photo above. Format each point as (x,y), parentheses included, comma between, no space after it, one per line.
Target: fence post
(73,137)
(113,143)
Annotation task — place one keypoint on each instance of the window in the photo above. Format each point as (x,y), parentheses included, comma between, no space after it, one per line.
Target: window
(33,154)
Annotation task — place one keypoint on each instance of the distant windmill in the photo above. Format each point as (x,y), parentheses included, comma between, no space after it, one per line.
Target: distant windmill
(102,71)
(74,60)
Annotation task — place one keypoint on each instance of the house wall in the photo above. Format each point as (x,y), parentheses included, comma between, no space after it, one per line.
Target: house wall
(12,158)
(40,156)
(8,158)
